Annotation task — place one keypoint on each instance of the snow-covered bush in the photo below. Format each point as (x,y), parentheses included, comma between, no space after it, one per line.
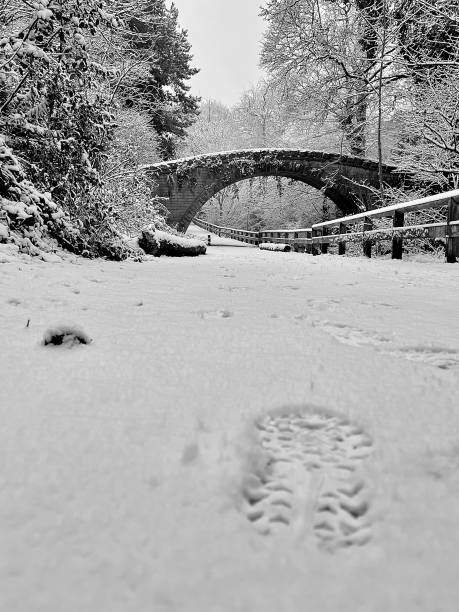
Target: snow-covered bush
(156,242)
(57,98)
(275,246)
(27,215)
(53,120)
(126,188)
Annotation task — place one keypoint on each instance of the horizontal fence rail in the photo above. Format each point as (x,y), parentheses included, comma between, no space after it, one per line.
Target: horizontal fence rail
(323,234)
(299,239)
(228,232)
(317,239)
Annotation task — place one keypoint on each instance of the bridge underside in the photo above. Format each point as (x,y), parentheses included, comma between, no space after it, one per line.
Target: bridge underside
(186,185)
(182,218)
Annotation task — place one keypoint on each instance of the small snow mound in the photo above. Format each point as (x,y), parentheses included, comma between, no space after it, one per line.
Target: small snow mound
(50,258)
(215,314)
(68,335)
(8,253)
(275,246)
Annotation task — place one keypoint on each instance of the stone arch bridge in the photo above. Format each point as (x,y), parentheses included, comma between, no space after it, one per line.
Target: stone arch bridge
(185,185)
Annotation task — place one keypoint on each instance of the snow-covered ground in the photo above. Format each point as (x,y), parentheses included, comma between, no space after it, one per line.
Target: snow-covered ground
(190,458)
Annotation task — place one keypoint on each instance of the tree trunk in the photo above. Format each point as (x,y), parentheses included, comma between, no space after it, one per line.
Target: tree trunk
(354,122)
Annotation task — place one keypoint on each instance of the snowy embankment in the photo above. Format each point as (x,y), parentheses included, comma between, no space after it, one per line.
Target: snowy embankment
(133,473)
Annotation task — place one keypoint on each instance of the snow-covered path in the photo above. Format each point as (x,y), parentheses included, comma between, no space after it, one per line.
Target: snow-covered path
(133,476)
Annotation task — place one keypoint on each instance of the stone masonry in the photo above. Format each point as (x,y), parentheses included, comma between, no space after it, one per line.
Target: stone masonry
(185,185)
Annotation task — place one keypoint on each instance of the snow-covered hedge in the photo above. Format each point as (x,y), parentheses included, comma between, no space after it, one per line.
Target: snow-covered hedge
(28,217)
(33,221)
(275,246)
(56,118)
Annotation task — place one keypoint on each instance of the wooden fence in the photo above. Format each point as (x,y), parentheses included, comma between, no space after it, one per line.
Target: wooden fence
(320,236)
(299,239)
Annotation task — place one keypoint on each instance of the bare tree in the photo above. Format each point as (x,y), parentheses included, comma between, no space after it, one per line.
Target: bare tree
(367,64)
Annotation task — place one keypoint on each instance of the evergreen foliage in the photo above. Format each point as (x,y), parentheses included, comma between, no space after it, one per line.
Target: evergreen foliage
(163,91)
(54,117)
(64,65)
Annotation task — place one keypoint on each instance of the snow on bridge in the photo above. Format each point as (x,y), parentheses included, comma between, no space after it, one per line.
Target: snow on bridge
(185,185)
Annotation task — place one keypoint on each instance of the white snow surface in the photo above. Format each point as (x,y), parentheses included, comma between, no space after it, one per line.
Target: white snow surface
(274,246)
(123,462)
(178,240)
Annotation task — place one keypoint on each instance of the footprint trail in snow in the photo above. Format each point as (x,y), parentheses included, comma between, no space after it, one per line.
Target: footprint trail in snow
(310,483)
(437,356)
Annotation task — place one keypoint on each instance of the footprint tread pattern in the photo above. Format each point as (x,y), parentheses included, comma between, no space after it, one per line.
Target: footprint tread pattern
(311,481)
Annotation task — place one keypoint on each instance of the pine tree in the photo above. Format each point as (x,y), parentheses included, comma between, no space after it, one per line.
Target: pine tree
(164,94)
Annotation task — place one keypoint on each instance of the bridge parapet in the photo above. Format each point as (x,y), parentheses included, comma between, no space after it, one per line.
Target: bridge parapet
(265,155)
(187,184)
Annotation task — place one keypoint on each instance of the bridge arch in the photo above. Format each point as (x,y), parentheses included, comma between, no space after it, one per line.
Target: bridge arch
(186,185)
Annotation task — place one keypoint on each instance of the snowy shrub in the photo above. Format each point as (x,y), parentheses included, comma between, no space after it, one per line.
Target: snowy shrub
(27,215)
(275,246)
(156,242)
(52,118)
(31,218)
(56,121)
(126,188)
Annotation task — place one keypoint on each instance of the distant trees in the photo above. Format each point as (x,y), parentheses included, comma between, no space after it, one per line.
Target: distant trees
(316,51)
(367,65)
(429,135)
(258,120)
(269,203)
(216,129)
(366,77)
(429,139)
(261,117)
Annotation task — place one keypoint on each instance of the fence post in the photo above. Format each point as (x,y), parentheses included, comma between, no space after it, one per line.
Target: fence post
(308,246)
(367,226)
(342,243)
(324,245)
(452,231)
(314,249)
(397,241)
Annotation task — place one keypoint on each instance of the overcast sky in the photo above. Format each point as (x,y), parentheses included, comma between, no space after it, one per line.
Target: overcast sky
(225,36)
